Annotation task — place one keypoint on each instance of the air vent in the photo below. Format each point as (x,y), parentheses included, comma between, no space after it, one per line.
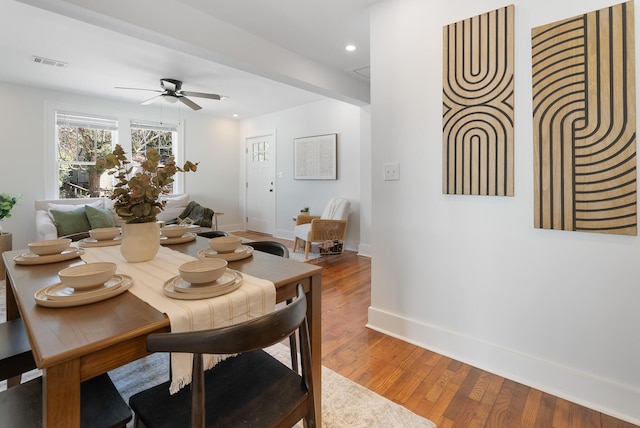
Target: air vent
(46,61)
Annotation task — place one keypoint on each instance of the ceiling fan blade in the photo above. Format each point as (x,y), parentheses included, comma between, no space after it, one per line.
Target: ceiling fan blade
(201,95)
(150,100)
(137,89)
(188,102)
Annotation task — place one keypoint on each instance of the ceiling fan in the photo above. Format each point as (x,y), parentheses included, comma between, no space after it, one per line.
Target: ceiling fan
(172,92)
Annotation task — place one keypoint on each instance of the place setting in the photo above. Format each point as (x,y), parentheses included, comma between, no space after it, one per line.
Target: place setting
(102,237)
(202,279)
(227,248)
(176,234)
(48,251)
(84,284)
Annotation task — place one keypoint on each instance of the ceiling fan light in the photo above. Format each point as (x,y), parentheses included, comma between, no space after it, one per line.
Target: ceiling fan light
(170,98)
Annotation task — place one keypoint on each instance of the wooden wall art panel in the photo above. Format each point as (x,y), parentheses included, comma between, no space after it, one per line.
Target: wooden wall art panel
(584,122)
(477,119)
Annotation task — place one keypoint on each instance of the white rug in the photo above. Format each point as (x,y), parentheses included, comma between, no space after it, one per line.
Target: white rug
(345,404)
(299,255)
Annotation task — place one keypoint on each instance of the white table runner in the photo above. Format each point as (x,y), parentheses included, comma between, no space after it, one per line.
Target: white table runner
(254,298)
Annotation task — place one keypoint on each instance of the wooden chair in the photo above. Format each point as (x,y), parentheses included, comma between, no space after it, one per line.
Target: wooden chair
(252,389)
(330,227)
(15,351)
(280,250)
(102,405)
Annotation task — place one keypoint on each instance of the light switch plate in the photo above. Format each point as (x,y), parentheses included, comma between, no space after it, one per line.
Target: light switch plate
(391,171)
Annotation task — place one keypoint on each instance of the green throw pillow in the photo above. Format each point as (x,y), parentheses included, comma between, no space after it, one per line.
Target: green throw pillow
(70,222)
(99,217)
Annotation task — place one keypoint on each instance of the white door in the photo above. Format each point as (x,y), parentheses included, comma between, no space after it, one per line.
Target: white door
(261,191)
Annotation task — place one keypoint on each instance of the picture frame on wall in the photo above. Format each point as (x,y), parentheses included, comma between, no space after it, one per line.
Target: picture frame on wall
(315,157)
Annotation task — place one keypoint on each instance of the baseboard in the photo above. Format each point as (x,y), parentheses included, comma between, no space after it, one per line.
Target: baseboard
(364,250)
(603,395)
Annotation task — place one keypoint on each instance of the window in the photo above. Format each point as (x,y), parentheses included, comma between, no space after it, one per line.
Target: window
(80,140)
(79,135)
(146,136)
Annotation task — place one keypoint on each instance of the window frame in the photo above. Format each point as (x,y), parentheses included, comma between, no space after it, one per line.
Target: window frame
(122,137)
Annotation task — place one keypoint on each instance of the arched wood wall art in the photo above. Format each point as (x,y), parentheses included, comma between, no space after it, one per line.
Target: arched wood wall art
(477,119)
(584,122)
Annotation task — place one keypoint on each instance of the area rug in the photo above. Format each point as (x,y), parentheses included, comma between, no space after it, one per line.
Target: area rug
(299,255)
(345,404)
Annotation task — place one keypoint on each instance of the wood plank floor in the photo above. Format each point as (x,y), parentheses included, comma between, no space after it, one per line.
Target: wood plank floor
(446,391)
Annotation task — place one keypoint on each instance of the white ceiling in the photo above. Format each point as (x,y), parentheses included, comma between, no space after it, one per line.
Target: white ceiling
(289,38)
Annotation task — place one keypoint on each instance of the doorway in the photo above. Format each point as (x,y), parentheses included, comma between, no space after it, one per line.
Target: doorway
(261,189)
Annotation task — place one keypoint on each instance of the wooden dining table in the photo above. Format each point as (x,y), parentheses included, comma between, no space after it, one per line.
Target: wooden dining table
(74,344)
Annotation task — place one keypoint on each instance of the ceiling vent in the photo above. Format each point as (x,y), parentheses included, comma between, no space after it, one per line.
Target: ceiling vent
(46,61)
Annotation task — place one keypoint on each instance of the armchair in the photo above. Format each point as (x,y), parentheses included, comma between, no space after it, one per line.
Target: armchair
(330,226)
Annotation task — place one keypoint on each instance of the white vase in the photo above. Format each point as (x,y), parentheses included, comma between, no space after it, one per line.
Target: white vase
(140,241)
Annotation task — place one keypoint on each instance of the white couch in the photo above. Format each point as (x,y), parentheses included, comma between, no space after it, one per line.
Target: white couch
(46,228)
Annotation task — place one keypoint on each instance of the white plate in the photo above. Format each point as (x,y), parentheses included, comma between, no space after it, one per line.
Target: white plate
(34,259)
(61,292)
(170,291)
(90,242)
(187,237)
(228,277)
(242,252)
(43,300)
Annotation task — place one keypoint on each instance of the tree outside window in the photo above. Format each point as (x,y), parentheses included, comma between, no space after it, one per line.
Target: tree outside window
(80,141)
(146,136)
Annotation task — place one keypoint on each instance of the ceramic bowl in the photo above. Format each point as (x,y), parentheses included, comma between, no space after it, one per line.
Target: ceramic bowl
(87,275)
(203,270)
(225,244)
(173,231)
(51,246)
(104,233)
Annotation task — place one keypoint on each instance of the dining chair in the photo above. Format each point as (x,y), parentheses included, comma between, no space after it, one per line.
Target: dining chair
(330,227)
(102,405)
(213,234)
(15,351)
(252,389)
(281,250)
(271,247)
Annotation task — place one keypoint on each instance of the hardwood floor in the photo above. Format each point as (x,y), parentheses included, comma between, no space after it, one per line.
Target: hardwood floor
(446,391)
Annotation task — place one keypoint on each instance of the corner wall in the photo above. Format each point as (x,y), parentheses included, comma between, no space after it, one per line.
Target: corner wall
(469,276)
(322,117)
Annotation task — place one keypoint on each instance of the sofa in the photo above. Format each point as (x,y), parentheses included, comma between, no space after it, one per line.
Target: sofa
(62,217)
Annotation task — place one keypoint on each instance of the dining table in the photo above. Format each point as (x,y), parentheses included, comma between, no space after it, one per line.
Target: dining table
(73,344)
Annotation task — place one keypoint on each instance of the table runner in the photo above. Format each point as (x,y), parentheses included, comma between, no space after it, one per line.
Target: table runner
(254,298)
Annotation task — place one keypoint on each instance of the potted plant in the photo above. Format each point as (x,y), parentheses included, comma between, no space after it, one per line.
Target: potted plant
(6,205)
(137,199)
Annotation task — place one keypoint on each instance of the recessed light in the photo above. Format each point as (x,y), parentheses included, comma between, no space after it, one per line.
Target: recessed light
(350,48)
(235,114)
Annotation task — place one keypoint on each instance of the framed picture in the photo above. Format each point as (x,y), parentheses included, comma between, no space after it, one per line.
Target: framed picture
(315,157)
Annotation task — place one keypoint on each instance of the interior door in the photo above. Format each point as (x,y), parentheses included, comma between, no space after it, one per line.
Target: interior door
(261,190)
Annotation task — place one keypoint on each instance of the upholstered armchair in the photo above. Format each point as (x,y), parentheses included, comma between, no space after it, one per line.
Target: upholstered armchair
(329,227)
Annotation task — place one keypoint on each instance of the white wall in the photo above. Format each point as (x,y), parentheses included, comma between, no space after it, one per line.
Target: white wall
(470,277)
(209,140)
(323,117)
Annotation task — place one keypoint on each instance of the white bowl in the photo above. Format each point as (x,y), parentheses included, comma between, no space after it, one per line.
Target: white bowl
(104,233)
(173,231)
(225,244)
(51,246)
(87,275)
(203,270)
